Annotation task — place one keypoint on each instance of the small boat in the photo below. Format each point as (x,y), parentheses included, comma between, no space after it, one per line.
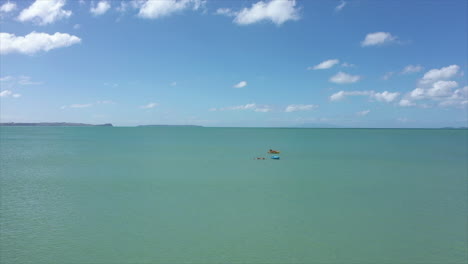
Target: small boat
(275,157)
(273,151)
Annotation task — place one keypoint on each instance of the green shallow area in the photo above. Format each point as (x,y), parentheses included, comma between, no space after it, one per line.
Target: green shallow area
(197,195)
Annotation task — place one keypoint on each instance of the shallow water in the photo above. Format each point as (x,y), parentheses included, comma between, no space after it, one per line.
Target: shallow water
(196,195)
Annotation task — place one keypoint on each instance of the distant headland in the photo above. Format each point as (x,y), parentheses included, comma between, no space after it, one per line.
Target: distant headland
(169,126)
(52,124)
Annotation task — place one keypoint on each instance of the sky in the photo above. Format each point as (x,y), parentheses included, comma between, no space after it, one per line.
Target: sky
(271,63)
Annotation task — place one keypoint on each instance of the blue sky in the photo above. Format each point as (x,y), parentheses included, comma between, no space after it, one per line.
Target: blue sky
(235,63)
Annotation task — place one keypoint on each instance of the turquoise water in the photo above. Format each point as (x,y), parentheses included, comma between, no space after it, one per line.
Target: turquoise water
(196,195)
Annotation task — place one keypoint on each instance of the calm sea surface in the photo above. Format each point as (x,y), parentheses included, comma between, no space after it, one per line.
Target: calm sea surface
(196,195)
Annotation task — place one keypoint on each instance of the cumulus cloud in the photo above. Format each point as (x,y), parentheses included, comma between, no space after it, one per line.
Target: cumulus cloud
(240,84)
(276,11)
(406,102)
(252,106)
(324,65)
(441,88)
(417,94)
(440,74)
(411,69)
(35,42)
(385,96)
(381,97)
(300,107)
(342,78)
(156,9)
(441,93)
(363,113)
(149,106)
(45,12)
(342,94)
(100,8)
(438,89)
(340,6)
(378,38)
(7,7)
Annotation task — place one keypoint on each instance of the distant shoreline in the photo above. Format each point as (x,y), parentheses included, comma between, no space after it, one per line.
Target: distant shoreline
(68,124)
(63,124)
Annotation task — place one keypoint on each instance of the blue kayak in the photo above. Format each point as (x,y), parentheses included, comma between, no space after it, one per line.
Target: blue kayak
(275,157)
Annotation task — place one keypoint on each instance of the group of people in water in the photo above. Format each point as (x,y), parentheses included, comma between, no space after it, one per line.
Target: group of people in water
(271,151)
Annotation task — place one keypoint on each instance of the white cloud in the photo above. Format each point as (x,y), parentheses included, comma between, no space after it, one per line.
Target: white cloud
(342,94)
(100,8)
(417,94)
(16,95)
(363,113)
(385,96)
(324,65)
(440,74)
(340,6)
(300,107)
(173,83)
(276,11)
(442,89)
(387,75)
(76,26)
(240,107)
(240,84)
(251,106)
(6,93)
(149,106)
(35,42)
(342,77)
(381,97)
(155,9)
(441,93)
(412,69)
(378,38)
(45,12)
(406,102)
(7,7)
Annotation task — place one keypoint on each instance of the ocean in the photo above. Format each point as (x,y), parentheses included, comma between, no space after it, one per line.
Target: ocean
(198,195)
